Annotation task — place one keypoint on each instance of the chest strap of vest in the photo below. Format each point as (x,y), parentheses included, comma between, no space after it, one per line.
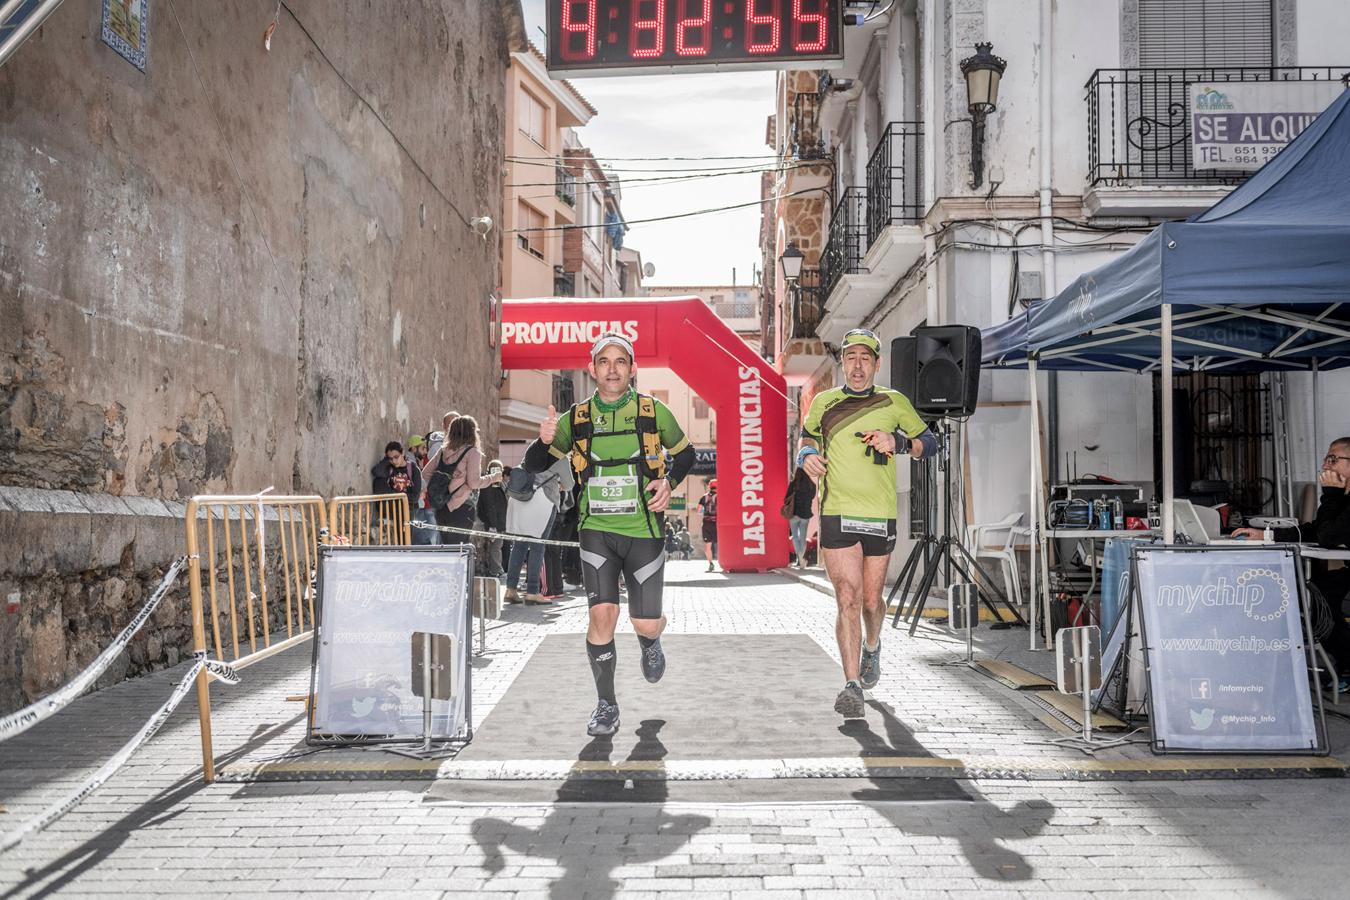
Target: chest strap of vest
(650,458)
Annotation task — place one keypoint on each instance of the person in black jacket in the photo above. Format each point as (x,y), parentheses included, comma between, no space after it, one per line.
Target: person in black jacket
(492,513)
(1330,528)
(396,474)
(799,504)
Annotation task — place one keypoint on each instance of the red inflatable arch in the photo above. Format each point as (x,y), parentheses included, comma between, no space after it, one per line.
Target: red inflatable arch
(683,334)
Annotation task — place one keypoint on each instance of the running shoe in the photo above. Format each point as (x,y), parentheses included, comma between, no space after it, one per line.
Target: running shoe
(653,662)
(605,719)
(849,703)
(869,673)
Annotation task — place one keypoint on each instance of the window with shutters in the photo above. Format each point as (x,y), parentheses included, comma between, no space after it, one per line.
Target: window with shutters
(529,238)
(1205,33)
(1181,42)
(532,118)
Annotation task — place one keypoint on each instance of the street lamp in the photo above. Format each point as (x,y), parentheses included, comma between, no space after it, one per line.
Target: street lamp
(983,72)
(792,262)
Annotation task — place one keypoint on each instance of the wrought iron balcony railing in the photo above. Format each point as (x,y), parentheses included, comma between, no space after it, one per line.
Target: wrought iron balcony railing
(808,139)
(808,304)
(1139,123)
(895,179)
(566,185)
(847,243)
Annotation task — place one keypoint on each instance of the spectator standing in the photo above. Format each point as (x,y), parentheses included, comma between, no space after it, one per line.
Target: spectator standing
(453,474)
(530,511)
(396,474)
(707,505)
(421,510)
(798,506)
(492,513)
(563,500)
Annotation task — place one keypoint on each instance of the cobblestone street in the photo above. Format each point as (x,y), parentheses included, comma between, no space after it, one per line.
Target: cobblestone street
(156,829)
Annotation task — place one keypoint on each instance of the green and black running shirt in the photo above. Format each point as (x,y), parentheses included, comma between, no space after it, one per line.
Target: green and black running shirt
(614,488)
(853,485)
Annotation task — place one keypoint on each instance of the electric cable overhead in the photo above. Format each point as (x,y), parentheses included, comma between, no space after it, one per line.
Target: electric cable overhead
(685,215)
(625,182)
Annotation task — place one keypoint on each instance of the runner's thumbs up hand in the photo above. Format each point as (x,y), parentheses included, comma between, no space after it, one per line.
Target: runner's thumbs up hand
(548,429)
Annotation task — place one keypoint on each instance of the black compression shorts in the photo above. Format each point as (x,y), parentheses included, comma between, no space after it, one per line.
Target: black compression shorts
(841,532)
(642,562)
(710,531)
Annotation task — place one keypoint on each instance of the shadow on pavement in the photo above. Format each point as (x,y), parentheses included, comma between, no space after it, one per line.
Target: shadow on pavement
(156,811)
(981,827)
(653,835)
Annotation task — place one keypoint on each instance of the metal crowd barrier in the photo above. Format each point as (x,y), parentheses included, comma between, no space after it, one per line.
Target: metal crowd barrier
(371,519)
(249,598)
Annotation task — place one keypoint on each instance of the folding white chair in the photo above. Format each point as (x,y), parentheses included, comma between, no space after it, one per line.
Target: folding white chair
(998,540)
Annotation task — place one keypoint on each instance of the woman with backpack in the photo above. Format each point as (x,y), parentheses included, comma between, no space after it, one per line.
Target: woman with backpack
(453,474)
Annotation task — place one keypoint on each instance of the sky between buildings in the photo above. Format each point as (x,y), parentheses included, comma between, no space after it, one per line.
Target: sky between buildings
(681,115)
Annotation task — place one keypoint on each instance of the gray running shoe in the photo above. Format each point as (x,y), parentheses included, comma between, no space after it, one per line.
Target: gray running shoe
(605,719)
(849,703)
(869,673)
(654,662)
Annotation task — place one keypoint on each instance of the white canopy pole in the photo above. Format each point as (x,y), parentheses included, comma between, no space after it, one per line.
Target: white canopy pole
(1169,526)
(1033,500)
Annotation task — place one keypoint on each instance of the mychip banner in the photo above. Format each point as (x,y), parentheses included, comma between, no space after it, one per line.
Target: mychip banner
(1226,650)
(1242,124)
(367,678)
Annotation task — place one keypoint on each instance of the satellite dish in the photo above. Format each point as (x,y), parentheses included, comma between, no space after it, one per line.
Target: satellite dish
(648,270)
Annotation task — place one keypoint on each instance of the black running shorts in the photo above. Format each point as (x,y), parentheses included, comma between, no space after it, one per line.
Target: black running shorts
(877,536)
(709,531)
(641,560)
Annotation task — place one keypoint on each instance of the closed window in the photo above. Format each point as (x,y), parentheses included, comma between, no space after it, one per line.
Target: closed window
(532,118)
(530,239)
(1205,33)
(700,408)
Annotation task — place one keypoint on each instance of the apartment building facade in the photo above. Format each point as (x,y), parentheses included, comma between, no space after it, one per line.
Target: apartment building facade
(915,220)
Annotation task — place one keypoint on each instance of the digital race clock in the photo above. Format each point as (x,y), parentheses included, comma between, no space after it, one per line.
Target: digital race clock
(591,37)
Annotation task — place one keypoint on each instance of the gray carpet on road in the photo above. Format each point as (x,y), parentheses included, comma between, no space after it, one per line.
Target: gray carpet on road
(723,697)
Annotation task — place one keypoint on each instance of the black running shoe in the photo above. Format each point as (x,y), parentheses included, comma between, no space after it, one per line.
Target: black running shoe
(653,662)
(869,673)
(605,719)
(849,703)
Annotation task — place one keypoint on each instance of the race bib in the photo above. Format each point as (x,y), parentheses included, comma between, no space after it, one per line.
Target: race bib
(873,527)
(612,495)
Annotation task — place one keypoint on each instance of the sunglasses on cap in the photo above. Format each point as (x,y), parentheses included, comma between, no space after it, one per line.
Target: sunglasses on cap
(861,337)
(614,340)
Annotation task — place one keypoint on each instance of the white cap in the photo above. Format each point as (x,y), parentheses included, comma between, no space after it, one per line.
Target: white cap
(612,340)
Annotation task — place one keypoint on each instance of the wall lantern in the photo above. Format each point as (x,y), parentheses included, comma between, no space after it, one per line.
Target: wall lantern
(983,72)
(792,262)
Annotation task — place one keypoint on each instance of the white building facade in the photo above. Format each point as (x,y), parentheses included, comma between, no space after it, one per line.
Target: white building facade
(1087,149)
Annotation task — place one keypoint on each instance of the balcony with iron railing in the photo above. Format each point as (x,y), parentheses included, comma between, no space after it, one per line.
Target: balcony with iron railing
(895,179)
(808,304)
(847,242)
(807,137)
(566,185)
(1139,122)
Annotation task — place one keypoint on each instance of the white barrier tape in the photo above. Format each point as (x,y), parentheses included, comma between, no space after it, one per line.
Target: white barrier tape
(19,722)
(107,770)
(495,535)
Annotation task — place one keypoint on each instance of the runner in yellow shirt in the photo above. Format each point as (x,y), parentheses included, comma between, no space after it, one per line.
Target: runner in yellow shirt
(850,439)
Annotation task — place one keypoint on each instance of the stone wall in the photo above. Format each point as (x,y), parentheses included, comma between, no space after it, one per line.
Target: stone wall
(238,269)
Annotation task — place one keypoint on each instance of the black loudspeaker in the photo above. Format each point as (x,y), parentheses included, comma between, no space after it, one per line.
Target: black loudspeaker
(938,369)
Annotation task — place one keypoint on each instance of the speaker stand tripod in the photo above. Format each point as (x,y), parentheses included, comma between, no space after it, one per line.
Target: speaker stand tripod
(946,550)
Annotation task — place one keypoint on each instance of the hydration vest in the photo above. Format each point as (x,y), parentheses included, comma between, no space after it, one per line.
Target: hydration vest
(650,459)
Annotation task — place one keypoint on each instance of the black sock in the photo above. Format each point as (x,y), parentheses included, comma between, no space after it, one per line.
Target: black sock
(646,641)
(602,667)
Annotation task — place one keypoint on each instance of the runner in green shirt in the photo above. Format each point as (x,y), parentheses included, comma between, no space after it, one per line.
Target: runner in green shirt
(850,438)
(618,440)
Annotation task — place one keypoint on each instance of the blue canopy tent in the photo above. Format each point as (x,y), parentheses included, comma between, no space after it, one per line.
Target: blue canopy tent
(1258,282)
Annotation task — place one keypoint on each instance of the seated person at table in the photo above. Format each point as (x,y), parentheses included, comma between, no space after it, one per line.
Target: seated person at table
(1331,529)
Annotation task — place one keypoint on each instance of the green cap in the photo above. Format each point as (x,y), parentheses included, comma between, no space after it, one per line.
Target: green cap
(415,441)
(865,338)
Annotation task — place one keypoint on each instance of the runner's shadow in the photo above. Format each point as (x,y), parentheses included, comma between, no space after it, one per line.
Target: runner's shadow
(981,827)
(586,853)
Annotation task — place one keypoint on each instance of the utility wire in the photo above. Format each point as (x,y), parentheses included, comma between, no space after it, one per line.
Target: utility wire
(554,162)
(626,182)
(685,215)
(765,156)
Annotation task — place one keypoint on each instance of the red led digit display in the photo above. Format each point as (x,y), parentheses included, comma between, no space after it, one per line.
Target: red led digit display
(612,36)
